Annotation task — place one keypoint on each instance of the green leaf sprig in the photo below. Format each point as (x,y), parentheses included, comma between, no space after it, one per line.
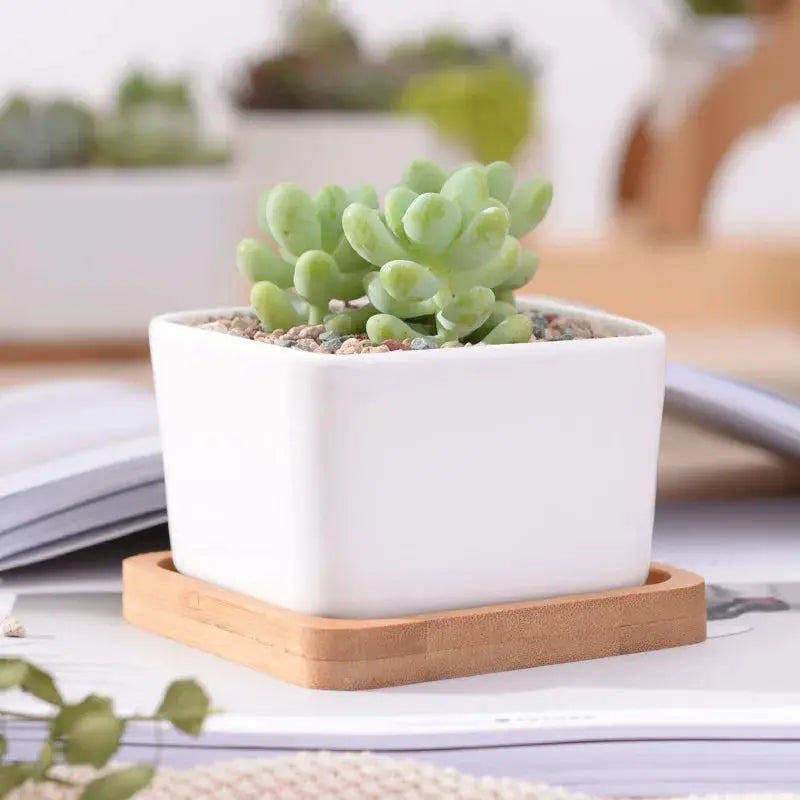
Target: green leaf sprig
(89,732)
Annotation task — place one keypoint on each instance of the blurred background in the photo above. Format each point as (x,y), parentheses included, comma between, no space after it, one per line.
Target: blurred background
(135,137)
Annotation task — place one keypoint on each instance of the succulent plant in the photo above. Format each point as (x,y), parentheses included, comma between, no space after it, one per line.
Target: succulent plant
(487,108)
(44,135)
(440,262)
(154,124)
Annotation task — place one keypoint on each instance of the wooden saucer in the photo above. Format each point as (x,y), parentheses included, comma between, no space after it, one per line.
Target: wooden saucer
(322,653)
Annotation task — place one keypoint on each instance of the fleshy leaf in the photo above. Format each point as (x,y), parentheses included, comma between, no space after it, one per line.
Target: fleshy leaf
(424,176)
(500,177)
(407,280)
(257,261)
(515,329)
(384,327)
(330,202)
(369,237)
(274,306)
(432,222)
(293,220)
(528,205)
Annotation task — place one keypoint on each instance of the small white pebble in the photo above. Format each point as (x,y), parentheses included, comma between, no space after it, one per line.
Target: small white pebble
(11,626)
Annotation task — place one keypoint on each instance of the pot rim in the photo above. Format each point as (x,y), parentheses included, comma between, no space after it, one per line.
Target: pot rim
(623,332)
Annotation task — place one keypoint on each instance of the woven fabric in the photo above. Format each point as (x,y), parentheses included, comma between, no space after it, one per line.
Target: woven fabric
(327,776)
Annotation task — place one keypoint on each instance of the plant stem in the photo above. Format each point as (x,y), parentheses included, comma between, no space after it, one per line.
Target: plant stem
(16,715)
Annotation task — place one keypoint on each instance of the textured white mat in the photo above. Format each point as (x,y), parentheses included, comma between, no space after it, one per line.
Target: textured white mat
(326,776)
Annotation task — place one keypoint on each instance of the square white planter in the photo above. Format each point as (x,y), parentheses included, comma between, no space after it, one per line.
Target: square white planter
(390,484)
(96,253)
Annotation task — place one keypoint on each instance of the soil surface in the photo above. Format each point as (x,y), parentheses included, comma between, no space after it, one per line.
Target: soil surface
(315,339)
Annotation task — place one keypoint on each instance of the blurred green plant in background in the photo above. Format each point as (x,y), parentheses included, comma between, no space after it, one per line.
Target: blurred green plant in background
(488,109)
(153,123)
(718,7)
(480,94)
(44,135)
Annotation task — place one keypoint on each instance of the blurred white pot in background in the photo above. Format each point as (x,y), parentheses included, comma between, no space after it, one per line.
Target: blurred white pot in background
(96,253)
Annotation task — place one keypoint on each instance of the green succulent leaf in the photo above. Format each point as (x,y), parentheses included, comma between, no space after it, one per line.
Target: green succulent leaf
(369,236)
(514,329)
(528,205)
(407,280)
(316,277)
(186,706)
(527,264)
(351,321)
(481,241)
(293,220)
(274,306)
(395,206)
(262,213)
(504,295)
(365,195)
(466,312)
(500,311)
(385,327)
(432,222)
(424,176)
(93,738)
(348,260)
(257,261)
(121,784)
(468,188)
(492,274)
(386,304)
(330,202)
(350,286)
(500,177)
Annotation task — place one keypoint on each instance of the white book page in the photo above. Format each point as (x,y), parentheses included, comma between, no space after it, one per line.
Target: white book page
(742,686)
(45,422)
(137,501)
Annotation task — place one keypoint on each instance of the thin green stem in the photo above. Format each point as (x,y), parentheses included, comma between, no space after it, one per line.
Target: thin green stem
(16,715)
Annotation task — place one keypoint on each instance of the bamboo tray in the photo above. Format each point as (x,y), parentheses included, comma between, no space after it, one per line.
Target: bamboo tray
(322,653)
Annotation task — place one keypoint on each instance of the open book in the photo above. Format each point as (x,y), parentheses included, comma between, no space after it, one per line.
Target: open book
(80,461)
(80,467)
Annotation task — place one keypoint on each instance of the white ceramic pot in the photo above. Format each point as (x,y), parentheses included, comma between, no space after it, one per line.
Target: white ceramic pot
(96,253)
(390,484)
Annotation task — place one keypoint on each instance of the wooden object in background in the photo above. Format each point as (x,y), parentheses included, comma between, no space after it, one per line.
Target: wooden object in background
(320,653)
(678,167)
(692,285)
